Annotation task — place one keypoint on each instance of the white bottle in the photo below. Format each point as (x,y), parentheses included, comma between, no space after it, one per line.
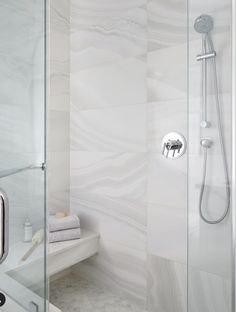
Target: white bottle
(28,231)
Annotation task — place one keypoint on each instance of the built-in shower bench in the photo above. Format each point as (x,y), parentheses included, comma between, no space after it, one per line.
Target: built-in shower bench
(29,274)
(61,255)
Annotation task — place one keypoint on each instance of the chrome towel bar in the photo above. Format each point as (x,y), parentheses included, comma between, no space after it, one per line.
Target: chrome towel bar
(9,172)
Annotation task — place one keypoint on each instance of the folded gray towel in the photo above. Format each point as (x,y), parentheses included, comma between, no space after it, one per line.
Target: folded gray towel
(59,224)
(64,235)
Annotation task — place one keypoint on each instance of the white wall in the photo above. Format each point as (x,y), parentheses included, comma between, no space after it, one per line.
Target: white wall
(108,137)
(59,107)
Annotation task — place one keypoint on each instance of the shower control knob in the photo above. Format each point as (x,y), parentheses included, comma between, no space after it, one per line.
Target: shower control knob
(173,145)
(206,143)
(205,124)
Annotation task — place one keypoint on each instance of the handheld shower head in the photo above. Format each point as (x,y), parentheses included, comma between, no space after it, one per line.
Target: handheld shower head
(204,24)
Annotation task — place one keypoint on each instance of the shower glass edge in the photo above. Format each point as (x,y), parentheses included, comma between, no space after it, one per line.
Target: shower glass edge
(23,102)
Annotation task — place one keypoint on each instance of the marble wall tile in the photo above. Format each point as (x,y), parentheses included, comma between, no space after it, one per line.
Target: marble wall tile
(59,106)
(58,131)
(127,277)
(121,175)
(167,23)
(167,73)
(111,129)
(167,285)
(59,37)
(107,28)
(108,137)
(167,232)
(164,117)
(208,292)
(120,83)
(108,193)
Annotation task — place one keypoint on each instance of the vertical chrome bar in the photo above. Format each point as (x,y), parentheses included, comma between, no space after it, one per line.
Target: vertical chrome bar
(4,225)
(204,80)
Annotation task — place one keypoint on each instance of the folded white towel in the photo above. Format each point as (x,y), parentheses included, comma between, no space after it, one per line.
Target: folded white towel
(64,235)
(59,224)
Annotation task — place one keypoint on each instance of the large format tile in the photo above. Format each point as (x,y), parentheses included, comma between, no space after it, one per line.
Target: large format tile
(208,292)
(167,23)
(167,78)
(120,83)
(123,239)
(121,176)
(107,26)
(108,193)
(111,129)
(58,126)
(167,285)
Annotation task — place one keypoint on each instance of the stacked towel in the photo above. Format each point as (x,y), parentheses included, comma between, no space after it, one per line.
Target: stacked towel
(64,228)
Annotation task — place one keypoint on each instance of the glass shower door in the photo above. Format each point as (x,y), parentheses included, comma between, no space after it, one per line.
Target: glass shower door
(22,156)
(210,269)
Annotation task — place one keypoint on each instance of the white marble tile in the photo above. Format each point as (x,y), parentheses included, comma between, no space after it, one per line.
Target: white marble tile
(108,192)
(118,267)
(58,171)
(107,26)
(111,129)
(167,285)
(167,232)
(120,83)
(119,176)
(59,201)
(58,131)
(167,181)
(167,73)
(58,137)
(123,239)
(208,292)
(59,55)
(165,117)
(167,23)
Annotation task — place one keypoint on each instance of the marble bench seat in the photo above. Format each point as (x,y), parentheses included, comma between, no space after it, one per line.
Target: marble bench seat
(63,255)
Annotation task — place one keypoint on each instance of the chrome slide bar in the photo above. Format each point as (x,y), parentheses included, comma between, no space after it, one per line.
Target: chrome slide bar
(9,172)
(4,226)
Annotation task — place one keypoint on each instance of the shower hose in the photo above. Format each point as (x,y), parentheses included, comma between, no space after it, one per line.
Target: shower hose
(222,145)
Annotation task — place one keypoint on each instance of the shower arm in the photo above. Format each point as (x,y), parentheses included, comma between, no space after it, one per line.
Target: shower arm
(9,172)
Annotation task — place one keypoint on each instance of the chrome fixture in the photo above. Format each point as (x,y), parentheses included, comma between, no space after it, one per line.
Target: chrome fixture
(4,225)
(173,145)
(9,172)
(206,143)
(203,25)
(33,307)
(206,56)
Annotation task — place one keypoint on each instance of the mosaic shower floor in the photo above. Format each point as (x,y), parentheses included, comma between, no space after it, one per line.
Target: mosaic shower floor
(71,294)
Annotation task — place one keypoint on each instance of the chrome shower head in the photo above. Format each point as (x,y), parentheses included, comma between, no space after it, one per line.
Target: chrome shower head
(204,24)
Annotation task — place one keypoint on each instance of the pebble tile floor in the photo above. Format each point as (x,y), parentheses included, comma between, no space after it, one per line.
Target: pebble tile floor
(71,294)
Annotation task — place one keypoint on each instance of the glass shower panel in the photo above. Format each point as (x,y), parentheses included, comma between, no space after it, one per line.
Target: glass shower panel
(22,150)
(209,222)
